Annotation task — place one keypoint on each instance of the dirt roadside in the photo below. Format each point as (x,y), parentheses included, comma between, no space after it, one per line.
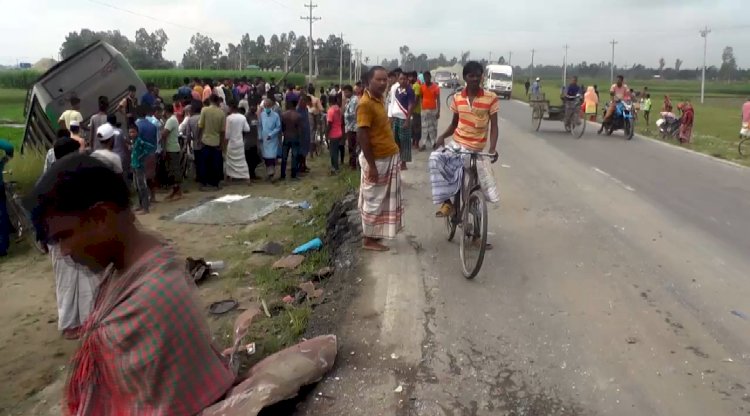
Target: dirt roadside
(33,355)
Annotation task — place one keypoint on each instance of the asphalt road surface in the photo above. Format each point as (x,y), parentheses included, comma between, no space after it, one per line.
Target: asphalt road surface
(618,285)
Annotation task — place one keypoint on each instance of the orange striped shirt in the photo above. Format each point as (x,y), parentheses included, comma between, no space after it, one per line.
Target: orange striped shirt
(474,118)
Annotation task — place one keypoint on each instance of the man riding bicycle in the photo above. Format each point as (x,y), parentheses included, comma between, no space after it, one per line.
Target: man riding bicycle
(572,92)
(474,111)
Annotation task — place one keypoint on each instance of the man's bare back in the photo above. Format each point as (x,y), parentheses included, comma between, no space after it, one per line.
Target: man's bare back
(291,123)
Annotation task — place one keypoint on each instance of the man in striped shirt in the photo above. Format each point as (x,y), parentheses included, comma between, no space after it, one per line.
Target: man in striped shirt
(474,111)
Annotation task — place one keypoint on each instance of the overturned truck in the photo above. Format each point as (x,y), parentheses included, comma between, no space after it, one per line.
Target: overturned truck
(97,70)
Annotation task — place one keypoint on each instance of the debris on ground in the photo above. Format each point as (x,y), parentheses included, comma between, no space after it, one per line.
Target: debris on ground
(310,291)
(288,299)
(271,248)
(279,377)
(197,269)
(740,314)
(344,232)
(631,340)
(323,273)
(216,266)
(304,205)
(398,389)
(231,210)
(265,308)
(289,262)
(314,244)
(223,306)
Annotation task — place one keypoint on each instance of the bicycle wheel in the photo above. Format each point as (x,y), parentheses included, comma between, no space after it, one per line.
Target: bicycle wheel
(449,99)
(24,228)
(536,117)
(742,148)
(579,125)
(474,234)
(629,129)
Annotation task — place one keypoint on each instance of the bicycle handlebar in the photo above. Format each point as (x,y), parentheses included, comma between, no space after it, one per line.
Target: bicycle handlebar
(492,156)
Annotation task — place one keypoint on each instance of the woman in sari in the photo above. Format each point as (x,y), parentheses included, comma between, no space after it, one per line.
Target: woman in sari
(590,103)
(686,122)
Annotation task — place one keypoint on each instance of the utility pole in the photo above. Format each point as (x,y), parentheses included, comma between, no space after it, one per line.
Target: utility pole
(565,64)
(311,19)
(510,58)
(704,35)
(532,64)
(490,61)
(612,63)
(341,60)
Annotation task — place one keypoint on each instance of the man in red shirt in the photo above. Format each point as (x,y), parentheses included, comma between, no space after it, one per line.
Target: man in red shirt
(430,93)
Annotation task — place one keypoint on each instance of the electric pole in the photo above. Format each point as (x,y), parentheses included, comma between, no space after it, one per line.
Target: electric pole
(341,60)
(704,35)
(612,63)
(490,57)
(565,65)
(532,63)
(510,57)
(311,19)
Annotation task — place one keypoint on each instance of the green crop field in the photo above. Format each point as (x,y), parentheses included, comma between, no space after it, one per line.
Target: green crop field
(163,78)
(717,121)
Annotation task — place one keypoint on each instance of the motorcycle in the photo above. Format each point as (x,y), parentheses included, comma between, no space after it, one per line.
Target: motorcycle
(622,119)
(669,125)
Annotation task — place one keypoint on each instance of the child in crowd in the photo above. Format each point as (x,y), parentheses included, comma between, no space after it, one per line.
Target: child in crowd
(141,149)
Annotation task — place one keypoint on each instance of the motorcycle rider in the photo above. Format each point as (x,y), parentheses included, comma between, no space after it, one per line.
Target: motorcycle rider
(618,91)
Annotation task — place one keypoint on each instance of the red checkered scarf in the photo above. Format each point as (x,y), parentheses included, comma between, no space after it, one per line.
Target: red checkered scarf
(146,348)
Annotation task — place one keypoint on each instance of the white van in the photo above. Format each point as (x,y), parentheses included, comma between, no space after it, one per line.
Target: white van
(499,79)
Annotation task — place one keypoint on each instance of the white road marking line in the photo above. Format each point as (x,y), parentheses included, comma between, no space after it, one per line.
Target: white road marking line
(615,180)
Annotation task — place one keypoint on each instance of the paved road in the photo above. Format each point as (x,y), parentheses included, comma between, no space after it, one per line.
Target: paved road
(618,285)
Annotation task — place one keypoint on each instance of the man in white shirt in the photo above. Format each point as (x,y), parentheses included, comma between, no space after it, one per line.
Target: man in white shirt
(105,136)
(235,164)
(72,114)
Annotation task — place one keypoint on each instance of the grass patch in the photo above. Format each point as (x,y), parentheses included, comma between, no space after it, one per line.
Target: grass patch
(11,105)
(717,120)
(290,227)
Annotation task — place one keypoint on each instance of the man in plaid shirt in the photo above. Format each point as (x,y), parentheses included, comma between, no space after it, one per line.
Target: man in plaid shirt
(146,348)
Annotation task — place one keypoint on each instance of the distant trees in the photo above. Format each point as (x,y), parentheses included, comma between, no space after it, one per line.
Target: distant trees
(501,60)
(662,64)
(677,64)
(145,53)
(728,64)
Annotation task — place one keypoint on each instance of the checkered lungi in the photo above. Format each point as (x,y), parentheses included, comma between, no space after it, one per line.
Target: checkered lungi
(402,134)
(429,127)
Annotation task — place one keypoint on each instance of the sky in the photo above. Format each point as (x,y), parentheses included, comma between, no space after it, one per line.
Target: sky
(645,30)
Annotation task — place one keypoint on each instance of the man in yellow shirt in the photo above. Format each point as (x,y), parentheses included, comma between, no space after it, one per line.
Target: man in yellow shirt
(380,202)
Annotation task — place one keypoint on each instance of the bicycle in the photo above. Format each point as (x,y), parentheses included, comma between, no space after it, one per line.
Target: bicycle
(20,220)
(470,212)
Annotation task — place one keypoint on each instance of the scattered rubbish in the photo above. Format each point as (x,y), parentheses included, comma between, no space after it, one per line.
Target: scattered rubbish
(249,348)
(214,274)
(728,360)
(231,210)
(337,378)
(223,306)
(309,289)
(197,269)
(272,248)
(288,299)
(304,205)
(216,265)
(394,356)
(631,340)
(265,308)
(324,272)
(740,314)
(314,244)
(289,262)
(399,389)
(279,377)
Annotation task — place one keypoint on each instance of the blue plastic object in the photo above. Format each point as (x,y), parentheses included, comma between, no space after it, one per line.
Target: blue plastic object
(314,244)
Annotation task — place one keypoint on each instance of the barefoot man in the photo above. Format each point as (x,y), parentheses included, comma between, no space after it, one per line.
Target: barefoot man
(380,191)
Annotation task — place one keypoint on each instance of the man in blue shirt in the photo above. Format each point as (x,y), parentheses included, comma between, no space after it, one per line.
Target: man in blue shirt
(569,98)
(7,150)
(185,91)
(149,98)
(149,133)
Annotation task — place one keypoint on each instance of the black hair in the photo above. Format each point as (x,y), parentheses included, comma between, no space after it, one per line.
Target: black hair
(347,87)
(358,84)
(65,146)
(186,80)
(131,88)
(473,67)
(621,77)
(169,109)
(75,100)
(393,74)
(398,70)
(134,127)
(371,72)
(292,103)
(242,110)
(74,184)
(215,99)
(112,119)
(427,74)
(196,106)
(62,133)
(75,129)
(648,95)
(150,85)
(103,103)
